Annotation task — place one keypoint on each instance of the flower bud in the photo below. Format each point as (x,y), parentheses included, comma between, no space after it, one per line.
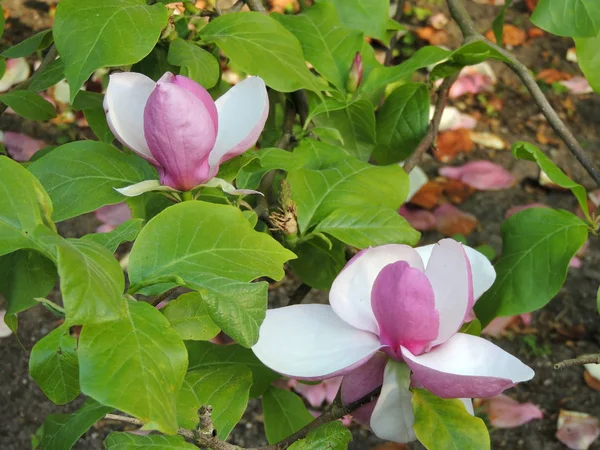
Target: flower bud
(355,75)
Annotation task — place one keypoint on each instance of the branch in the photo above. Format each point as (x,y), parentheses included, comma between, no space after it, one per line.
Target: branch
(467,26)
(389,54)
(299,294)
(434,125)
(155,300)
(287,135)
(256,5)
(579,361)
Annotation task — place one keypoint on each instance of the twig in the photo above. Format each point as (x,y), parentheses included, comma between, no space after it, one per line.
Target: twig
(470,33)
(256,5)
(389,54)
(159,298)
(50,56)
(579,361)
(289,120)
(434,125)
(299,294)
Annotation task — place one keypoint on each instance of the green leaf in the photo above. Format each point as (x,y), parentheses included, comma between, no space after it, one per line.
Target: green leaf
(203,355)
(216,249)
(135,364)
(284,413)
(126,232)
(363,227)
(189,316)
(29,105)
(498,23)
(225,388)
(445,423)
(529,152)
(30,45)
(330,436)
(473,328)
(129,441)
(89,35)
(23,206)
(156,63)
(259,45)
(61,431)
(327,44)
(401,123)
(597,302)
(2,24)
(25,275)
(371,19)
(589,59)
(537,245)
(90,172)
(91,105)
(356,124)
(319,262)
(571,18)
(12,322)
(467,55)
(54,367)
(230,169)
(43,79)
(196,63)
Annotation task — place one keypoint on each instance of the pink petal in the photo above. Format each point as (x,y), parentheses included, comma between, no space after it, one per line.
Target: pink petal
(515,209)
(201,93)
(473,80)
(404,306)
(467,366)
(577,85)
(482,175)
(497,327)
(17,71)
(113,215)
(575,263)
(315,394)
(332,386)
(21,147)
(419,219)
(504,412)
(180,133)
(449,220)
(453,119)
(577,430)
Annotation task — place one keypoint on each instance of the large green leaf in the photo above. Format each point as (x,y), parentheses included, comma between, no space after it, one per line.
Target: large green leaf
(319,261)
(126,232)
(129,441)
(328,45)
(29,105)
(23,206)
(571,18)
(90,34)
(36,42)
(537,245)
(371,18)
(196,63)
(91,282)
(330,436)
(47,77)
(24,276)
(204,355)
(446,423)
(136,364)
(89,173)
(61,431)
(259,45)
(54,367)
(225,388)
(189,316)
(91,103)
(467,55)
(215,249)
(284,414)
(401,123)
(589,59)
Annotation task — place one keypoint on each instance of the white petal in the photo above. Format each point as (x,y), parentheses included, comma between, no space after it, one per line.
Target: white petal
(311,341)
(417,178)
(350,294)
(482,270)
(393,417)
(242,113)
(124,104)
(228,188)
(468,404)
(143,186)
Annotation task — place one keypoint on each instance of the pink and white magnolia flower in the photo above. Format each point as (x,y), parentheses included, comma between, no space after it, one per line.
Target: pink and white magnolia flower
(176,126)
(407,304)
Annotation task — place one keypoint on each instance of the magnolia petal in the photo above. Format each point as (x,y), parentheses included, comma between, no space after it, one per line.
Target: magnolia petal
(467,366)
(504,412)
(449,272)
(393,417)
(201,94)
(404,305)
(482,175)
(417,179)
(113,215)
(312,342)
(469,405)
(17,71)
(126,97)
(418,218)
(143,186)
(482,271)
(20,147)
(350,294)
(243,111)
(228,188)
(577,430)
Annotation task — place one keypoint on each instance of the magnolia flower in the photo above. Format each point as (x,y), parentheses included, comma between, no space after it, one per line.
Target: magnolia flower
(407,304)
(175,125)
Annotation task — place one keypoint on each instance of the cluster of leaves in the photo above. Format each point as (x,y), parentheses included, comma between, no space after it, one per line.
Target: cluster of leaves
(157,365)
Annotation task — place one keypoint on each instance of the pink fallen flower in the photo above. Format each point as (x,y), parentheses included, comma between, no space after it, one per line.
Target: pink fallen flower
(398,308)
(577,430)
(497,327)
(577,85)
(453,119)
(112,216)
(473,80)
(418,218)
(482,175)
(21,147)
(504,412)
(17,71)
(450,220)
(176,126)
